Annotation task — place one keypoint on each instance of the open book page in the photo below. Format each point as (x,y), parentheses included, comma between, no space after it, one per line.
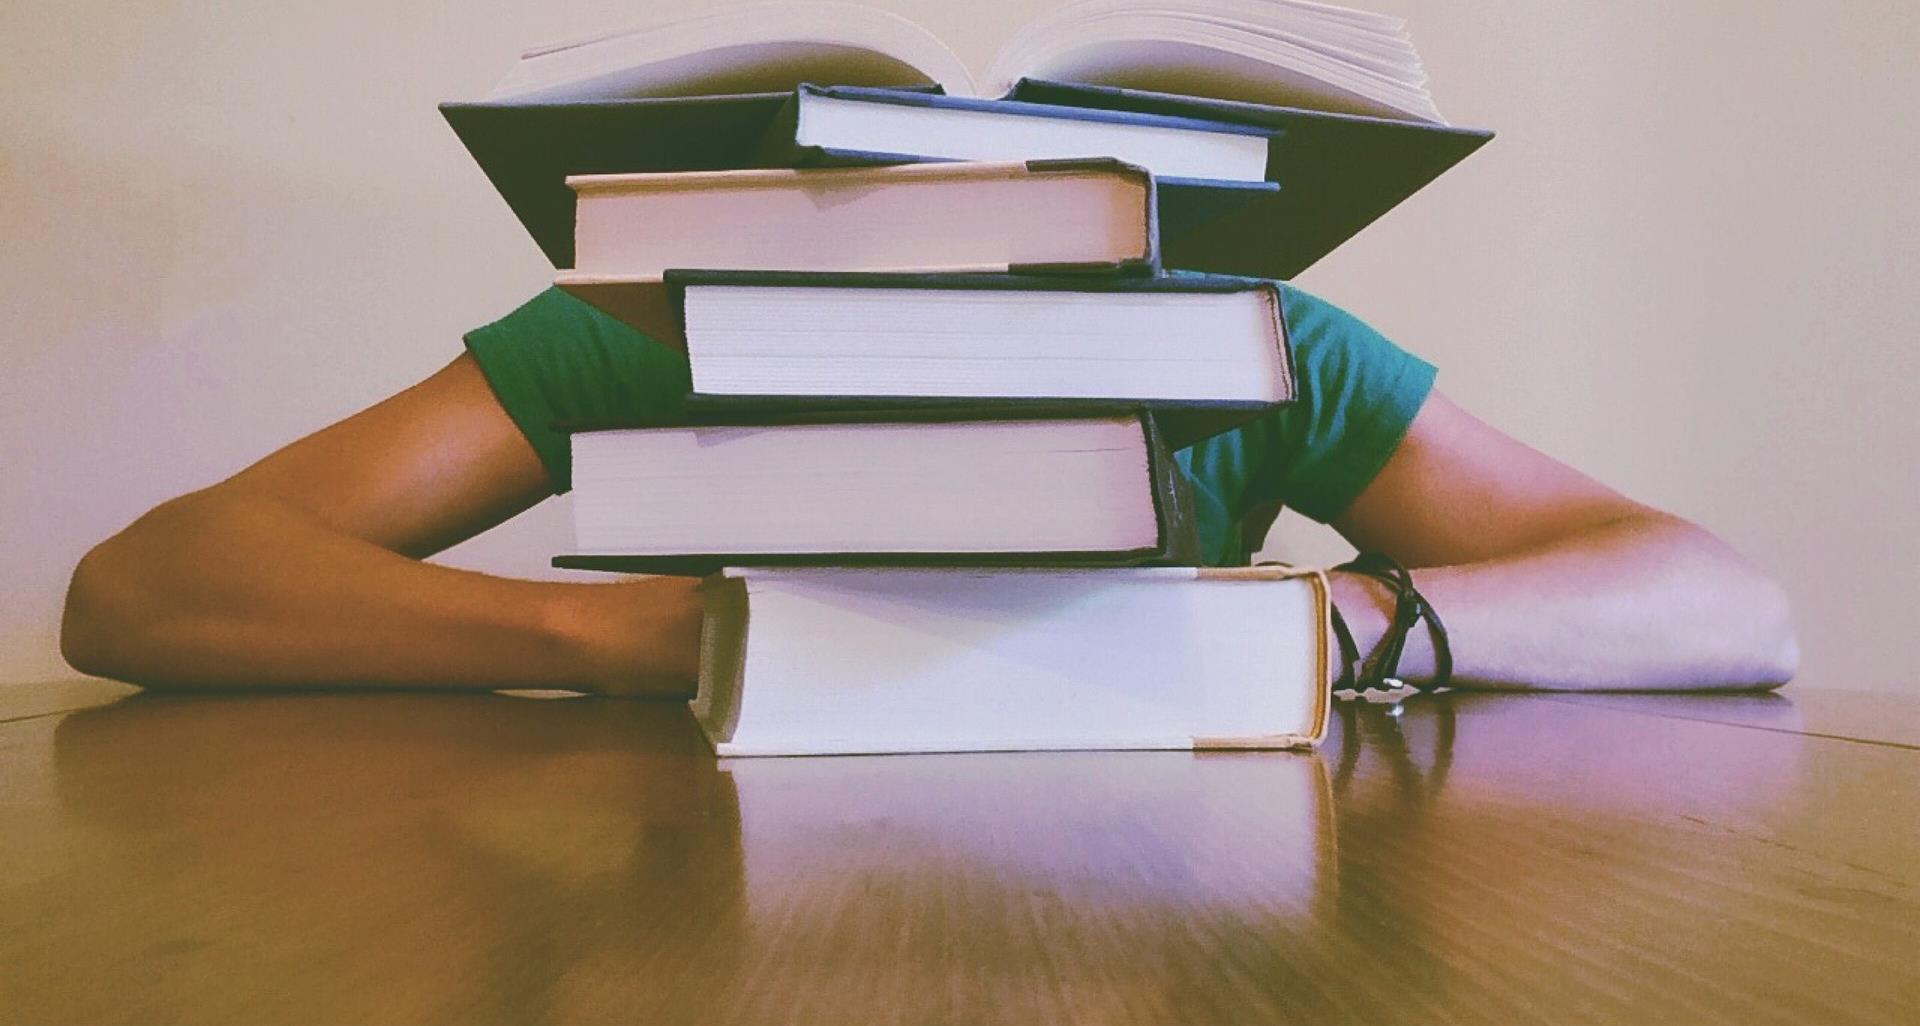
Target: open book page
(1282,52)
(1262,52)
(1381,41)
(756,48)
(1391,57)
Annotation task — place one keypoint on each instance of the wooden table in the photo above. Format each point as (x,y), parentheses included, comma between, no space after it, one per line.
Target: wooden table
(334,858)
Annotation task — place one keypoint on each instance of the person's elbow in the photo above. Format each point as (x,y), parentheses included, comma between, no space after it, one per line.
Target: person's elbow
(1722,623)
(115,604)
(1778,643)
(87,624)
(1756,625)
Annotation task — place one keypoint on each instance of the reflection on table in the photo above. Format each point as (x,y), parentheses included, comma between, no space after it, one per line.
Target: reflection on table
(355,858)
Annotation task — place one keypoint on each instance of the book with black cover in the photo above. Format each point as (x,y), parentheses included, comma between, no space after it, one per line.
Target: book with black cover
(1165,144)
(1329,175)
(1260,373)
(1340,173)
(1175,543)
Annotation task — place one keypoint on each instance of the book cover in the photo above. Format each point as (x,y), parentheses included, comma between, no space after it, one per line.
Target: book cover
(1340,173)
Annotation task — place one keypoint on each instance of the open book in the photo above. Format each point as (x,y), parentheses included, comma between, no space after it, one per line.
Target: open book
(1275,129)
(1289,53)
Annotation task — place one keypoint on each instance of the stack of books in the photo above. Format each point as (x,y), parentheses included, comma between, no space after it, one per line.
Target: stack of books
(943,349)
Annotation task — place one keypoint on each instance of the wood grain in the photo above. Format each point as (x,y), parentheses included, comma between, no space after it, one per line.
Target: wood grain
(1881,717)
(479,859)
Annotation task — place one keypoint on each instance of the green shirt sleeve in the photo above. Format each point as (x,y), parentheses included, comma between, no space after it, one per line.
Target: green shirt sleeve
(558,360)
(1357,394)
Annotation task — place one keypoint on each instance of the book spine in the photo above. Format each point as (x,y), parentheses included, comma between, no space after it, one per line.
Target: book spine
(779,147)
(682,278)
(1180,423)
(701,564)
(1172,501)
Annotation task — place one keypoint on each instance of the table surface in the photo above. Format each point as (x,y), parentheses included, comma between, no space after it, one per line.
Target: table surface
(348,858)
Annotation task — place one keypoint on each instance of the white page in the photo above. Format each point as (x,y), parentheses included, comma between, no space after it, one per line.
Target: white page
(977,342)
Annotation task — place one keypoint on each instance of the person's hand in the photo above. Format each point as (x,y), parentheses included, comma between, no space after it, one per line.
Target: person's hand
(642,636)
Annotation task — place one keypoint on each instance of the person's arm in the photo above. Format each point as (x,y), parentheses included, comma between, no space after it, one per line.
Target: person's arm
(1547,579)
(304,570)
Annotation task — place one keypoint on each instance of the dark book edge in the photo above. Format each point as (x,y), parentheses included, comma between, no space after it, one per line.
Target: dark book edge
(682,278)
(1011,104)
(1274,118)
(1182,423)
(932,411)
(1340,173)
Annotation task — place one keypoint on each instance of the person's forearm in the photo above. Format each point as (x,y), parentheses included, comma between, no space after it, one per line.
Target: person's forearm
(220,590)
(1647,602)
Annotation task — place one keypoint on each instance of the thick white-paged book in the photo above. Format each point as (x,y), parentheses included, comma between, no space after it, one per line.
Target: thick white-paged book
(821,661)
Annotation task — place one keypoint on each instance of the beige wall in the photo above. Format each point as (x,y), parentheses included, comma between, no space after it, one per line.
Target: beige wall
(1687,264)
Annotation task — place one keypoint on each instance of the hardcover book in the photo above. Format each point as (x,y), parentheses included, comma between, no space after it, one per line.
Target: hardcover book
(958,659)
(1062,215)
(835,125)
(1204,352)
(949,489)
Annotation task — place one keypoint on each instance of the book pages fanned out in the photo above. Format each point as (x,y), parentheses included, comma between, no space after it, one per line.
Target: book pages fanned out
(1286,52)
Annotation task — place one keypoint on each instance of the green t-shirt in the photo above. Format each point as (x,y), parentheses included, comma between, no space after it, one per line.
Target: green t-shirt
(556,359)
